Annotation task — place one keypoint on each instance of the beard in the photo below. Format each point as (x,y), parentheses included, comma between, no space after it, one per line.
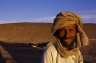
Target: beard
(68,42)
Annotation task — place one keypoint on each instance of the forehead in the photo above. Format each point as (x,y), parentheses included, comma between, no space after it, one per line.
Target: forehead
(73,26)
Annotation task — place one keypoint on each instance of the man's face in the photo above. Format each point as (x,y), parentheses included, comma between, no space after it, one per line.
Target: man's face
(67,34)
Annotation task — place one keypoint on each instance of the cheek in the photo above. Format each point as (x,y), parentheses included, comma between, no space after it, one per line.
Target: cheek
(73,34)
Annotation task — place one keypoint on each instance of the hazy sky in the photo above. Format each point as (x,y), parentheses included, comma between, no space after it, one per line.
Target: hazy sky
(45,10)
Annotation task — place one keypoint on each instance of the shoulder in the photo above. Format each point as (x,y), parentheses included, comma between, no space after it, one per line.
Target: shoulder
(51,49)
(50,54)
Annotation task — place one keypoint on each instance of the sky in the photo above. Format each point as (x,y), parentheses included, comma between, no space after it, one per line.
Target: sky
(45,10)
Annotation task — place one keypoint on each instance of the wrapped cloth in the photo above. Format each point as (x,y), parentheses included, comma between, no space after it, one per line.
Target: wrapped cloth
(66,18)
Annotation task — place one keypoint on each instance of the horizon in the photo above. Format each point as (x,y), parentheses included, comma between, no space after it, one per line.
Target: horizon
(35,23)
(45,11)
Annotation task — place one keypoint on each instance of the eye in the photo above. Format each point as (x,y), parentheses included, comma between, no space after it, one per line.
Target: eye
(71,30)
(62,30)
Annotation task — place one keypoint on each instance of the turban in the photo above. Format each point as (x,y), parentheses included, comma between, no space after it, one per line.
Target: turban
(65,18)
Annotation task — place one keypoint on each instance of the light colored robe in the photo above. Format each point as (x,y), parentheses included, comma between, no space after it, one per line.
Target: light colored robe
(52,56)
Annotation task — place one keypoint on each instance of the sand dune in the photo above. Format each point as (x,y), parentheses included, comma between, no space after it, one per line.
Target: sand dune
(26,32)
(34,32)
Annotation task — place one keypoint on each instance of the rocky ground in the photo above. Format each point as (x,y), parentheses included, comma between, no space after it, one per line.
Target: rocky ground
(26,53)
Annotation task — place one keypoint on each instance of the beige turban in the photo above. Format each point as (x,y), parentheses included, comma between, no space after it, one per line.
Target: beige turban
(64,18)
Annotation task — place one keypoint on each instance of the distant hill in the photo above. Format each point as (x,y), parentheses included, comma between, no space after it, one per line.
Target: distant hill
(34,32)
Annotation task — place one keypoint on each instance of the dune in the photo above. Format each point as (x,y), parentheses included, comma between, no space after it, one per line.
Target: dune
(26,32)
(34,32)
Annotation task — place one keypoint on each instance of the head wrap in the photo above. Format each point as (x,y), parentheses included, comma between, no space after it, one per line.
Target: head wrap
(65,18)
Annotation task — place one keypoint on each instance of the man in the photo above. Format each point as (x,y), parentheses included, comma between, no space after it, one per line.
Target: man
(70,37)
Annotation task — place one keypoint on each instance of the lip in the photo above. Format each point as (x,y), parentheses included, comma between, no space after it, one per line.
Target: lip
(67,40)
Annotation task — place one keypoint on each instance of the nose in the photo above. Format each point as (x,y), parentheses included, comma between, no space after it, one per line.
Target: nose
(67,34)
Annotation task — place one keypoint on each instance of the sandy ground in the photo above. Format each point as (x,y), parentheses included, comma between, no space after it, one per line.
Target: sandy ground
(34,32)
